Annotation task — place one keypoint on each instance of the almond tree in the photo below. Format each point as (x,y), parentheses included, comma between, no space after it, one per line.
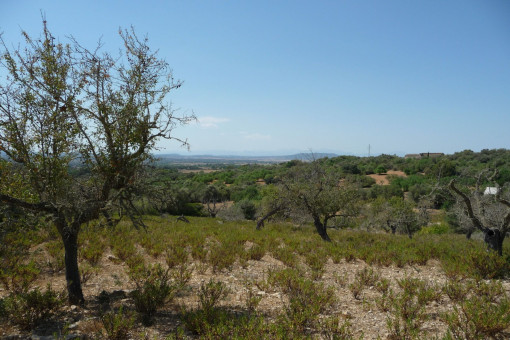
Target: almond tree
(62,106)
(309,190)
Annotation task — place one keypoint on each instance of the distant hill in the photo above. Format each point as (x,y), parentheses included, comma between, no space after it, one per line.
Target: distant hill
(176,158)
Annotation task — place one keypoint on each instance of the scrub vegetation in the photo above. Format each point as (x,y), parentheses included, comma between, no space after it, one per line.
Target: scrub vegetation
(99,238)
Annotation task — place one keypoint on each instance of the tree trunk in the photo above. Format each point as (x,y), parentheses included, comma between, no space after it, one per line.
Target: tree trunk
(260,223)
(469,233)
(70,239)
(321,229)
(494,240)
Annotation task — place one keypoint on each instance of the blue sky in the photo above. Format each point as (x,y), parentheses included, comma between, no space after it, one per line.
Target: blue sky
(278,77)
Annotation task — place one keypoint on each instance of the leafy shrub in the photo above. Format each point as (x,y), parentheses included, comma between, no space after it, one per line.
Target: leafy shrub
(123,247)
(56,251)
(18,277)
(256,252)
(153,290)
(252,300)
(248,209)
(93,250)
(383,285)
(27,309)
(330,328)
(222,256)
(285,255)
(423,291)
(221,324)
(487,264)
(435,229)
(455,290)
(210,293)
(307,299)
(407,312)
(176,255)
(365,277)
(478,318)
(316,262)
(181,274)
(118,324)
(87,272)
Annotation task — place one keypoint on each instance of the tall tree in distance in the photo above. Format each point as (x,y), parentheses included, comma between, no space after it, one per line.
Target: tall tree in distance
(62,105)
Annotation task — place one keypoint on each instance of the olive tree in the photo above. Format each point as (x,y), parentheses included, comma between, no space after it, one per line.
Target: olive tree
(63,105)
(489,212)
(395,214)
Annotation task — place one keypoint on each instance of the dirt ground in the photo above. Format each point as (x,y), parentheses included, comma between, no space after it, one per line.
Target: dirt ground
(382,179)
(366,319)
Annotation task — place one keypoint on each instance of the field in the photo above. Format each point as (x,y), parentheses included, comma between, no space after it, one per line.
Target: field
(382,179)
(229,280)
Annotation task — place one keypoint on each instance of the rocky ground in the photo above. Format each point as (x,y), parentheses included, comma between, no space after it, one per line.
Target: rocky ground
(111,284)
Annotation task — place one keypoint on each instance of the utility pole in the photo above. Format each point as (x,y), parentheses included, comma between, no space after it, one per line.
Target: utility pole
(368,150)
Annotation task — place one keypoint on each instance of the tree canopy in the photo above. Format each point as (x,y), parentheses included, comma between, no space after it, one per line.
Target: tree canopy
(63,105)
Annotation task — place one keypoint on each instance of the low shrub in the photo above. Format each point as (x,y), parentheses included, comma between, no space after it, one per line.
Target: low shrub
(406,312)
(92,250)
(487,264)
(56,251)
(478,318)
(27,309)
(153,290)
(210,293)
(306,299)
(118,325)
(222,256)
(365,277)
(18,277)
(176,255)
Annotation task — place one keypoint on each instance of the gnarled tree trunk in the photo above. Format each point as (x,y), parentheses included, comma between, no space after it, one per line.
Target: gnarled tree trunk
(493,238)
(69,236)
(321,228)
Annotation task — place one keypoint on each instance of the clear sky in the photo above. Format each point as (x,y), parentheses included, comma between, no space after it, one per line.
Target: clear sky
(278,77)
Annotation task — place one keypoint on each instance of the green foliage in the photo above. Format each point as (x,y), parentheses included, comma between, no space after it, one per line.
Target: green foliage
(122,244)
(93,249)
(210,294)
(176,255)
(306,299)
(118,324)
(248,208)
(365,277)
(221,324)
(27,309)
(435,229)
(17,271)
(406,314)
(223,255)
(478,318)
(56,251)
(380,169)
(485,264)
(316,261)
(153,290)
(256,252)
(66,106)
(19,277)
